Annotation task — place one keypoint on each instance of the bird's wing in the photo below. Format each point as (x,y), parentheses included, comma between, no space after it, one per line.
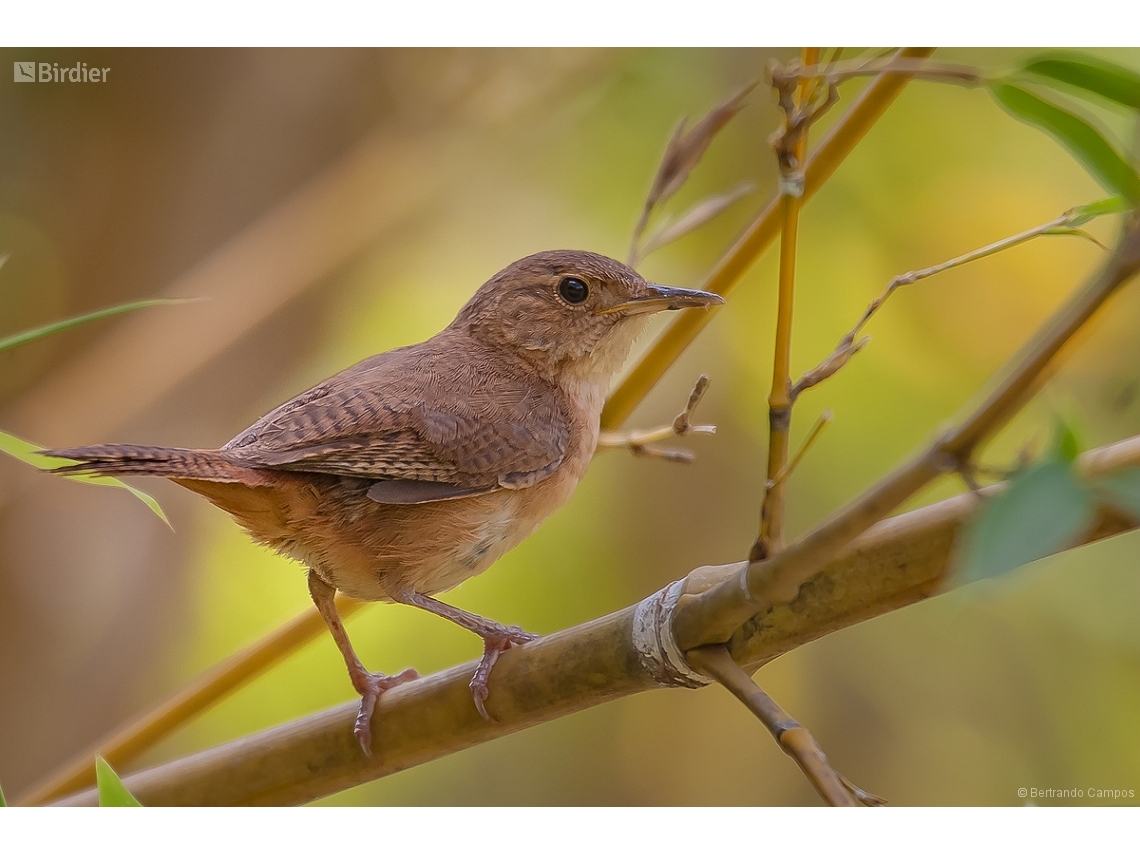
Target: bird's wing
(423,426)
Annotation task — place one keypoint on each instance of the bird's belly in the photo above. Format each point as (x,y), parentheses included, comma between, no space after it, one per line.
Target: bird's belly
(372,551)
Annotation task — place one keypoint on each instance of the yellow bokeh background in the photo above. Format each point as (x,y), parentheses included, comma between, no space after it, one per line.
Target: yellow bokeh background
(1029,681)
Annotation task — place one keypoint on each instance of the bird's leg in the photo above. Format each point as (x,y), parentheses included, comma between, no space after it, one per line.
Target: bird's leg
(496,639)
(369,685)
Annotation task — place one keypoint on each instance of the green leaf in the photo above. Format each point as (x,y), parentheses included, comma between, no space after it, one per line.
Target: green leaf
(112,792)
(1122,491)
(26,452)
(1083,140)
(2,802)
(1111,81)
(1069,230)
(1066,447)
(68,323)
(1042,511)
(1085,213)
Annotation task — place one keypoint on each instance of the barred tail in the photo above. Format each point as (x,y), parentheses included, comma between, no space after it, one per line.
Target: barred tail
(151,460)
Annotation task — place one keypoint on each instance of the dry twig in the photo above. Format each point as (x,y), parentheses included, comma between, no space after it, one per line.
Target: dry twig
(834,73)
(796,741)
(639,442)
(848,346)
(824,419)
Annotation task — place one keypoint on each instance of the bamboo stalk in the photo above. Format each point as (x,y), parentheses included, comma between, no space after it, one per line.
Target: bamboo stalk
(791,150)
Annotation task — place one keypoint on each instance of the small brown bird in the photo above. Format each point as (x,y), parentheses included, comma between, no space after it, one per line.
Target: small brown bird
(416,469)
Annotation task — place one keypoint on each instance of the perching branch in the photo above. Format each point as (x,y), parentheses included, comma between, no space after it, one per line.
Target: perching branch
(898,561)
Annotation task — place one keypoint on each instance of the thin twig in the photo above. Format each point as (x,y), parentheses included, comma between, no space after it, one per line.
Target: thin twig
(639,442)
(834,73)
(848,346)
(796,741)
(836,360)
(820,423)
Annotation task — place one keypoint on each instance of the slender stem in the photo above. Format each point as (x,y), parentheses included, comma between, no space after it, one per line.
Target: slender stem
(848,346)
(791,150)
(795,740)
(839,142)
(913,276)
(839,72)
(820,423)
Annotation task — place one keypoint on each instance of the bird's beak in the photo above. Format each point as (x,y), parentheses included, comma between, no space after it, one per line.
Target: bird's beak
(658,298)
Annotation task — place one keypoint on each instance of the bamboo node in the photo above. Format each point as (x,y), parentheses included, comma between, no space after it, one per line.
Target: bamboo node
(656,646)
(792,184)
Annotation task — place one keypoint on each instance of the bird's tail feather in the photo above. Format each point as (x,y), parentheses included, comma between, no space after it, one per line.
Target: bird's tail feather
(150,460)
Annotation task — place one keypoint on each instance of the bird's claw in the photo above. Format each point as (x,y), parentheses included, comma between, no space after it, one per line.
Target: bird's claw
(371,687)
(493,645)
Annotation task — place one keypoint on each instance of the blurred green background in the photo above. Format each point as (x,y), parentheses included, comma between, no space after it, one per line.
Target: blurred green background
(337,203)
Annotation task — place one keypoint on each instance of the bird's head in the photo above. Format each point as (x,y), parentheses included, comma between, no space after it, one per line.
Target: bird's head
(571,311)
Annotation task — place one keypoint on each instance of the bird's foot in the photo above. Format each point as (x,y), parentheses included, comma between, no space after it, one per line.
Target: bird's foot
(495,641)
(371,687)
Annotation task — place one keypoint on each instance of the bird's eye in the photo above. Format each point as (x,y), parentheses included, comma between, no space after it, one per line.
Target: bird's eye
(573,290)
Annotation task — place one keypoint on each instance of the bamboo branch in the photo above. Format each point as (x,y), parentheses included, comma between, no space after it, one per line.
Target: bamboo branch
(836,145)
(899,561)
(716,614)
(791,149)
(795,740)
